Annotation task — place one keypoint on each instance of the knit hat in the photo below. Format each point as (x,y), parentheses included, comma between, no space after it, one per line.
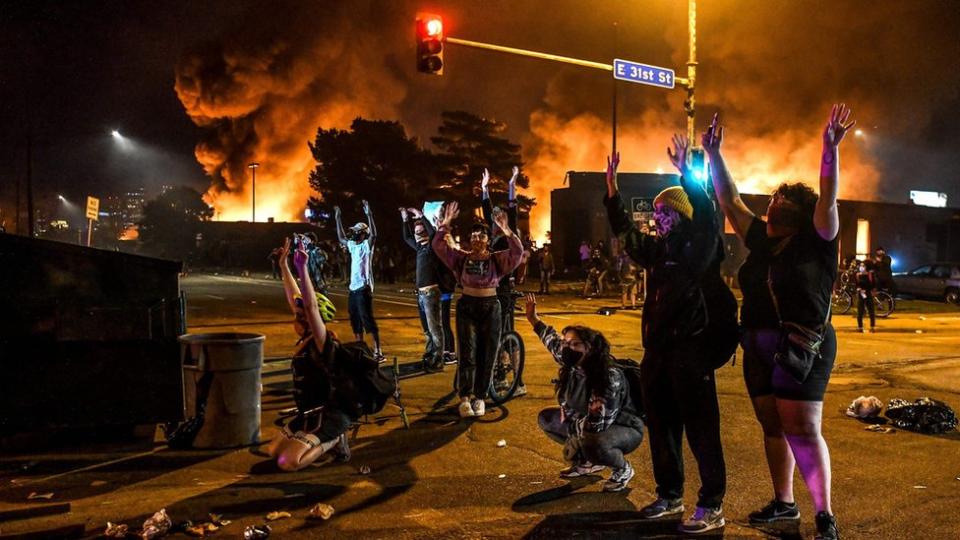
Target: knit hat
(675,198)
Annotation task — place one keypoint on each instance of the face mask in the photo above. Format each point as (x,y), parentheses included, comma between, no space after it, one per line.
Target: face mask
(780,216)
(570,357)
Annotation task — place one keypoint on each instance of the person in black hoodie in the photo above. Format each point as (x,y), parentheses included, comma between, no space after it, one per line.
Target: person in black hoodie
(688,329)
(787,282)
(597,421)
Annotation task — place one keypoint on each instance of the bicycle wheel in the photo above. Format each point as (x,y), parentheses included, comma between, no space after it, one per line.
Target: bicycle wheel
(884,304)
(507,369)
(842,302)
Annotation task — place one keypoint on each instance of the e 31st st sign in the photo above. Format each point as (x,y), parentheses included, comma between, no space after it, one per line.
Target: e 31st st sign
(625,70)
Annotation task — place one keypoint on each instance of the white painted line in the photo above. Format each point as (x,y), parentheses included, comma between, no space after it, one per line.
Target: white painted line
(215,297)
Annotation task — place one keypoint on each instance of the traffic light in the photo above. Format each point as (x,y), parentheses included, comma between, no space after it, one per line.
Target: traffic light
(429,44)
(698,164)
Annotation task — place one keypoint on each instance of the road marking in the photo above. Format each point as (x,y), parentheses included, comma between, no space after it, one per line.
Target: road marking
(215,297)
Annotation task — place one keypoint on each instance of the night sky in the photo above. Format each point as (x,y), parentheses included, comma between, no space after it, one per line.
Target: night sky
(254,80)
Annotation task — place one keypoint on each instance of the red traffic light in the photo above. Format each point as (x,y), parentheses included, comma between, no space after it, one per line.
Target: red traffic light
(429,44)
(433,27)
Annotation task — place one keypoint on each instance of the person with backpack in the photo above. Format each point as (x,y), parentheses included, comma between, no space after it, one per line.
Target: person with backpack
(479,325)
(789,345)
(323,397)
(597,422)
(689,328)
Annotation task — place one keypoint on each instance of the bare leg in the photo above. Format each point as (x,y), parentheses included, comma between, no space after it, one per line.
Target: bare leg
(801,422)
(779,457)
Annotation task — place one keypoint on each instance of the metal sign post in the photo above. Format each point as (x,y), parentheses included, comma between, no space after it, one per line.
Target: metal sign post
(93,214)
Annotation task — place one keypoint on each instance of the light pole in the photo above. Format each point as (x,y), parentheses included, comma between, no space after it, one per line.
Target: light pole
(253,166)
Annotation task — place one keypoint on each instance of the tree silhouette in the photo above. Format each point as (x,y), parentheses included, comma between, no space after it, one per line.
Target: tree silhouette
(171,221)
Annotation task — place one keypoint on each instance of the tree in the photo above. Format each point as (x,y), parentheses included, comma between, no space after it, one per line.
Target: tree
(468,144)
(170,222)
(373,160)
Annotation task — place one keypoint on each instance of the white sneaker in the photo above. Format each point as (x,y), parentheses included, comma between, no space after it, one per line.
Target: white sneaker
(466,410)
(479,407)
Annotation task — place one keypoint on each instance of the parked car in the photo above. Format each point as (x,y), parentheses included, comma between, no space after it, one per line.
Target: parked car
(937,280)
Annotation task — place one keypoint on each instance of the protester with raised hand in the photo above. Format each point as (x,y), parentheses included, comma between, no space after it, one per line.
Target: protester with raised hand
(418,234)
(679,390)
(478,310)
(359,241)
(787,281)
(596,421)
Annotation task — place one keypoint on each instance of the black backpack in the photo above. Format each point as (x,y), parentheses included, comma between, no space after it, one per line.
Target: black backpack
(631,372)
(372,385)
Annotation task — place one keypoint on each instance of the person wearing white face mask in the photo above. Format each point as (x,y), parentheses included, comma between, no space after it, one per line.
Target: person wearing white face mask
(689,328)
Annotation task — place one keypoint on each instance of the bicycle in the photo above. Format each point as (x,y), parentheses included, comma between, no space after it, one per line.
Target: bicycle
(883,302)
(511,355)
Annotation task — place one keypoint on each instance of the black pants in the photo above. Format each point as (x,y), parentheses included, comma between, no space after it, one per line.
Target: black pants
(680,393)
(360,306)
(478,332)
(871,308)
(544,281)
(607,447)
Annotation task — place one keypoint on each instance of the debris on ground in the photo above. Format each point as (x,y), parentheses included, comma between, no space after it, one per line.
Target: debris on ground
(501,443)
(880,428)
(218,520)
(156,525)
(116,530)
(98,483)
(34,496)
(865,407)
(919,487)
(502,476)
(321,511)
(203,529)
(924,415)
(364,470)
(256,532)
(273,516)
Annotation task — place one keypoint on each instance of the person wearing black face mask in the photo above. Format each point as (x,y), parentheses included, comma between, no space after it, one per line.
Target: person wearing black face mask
(596,421)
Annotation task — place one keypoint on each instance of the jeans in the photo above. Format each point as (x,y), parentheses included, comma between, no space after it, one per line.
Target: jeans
(429,303)
(449,343)
(871,308)
(478,332)
(607,447)
(680,394)
(545,281)
(360,307)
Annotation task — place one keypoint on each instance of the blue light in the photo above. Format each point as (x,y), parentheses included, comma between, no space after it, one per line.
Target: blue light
(894,262)
(698,174)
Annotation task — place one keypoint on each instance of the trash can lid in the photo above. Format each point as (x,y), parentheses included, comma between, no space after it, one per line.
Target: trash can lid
(221,338)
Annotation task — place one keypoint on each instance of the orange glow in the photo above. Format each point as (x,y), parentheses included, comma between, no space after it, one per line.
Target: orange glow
(434,27)
(130,233)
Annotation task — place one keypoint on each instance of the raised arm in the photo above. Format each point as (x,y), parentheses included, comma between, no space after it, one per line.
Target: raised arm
(548,336)
(486,205)
(341,235)
(639,246)
(309,297)
(290,287)
(512,209)
(508,259)
(373,228)
(451,256)
(825,217)
(407,233)
(728,196)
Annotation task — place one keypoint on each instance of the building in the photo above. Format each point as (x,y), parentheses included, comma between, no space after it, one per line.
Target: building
(912,235)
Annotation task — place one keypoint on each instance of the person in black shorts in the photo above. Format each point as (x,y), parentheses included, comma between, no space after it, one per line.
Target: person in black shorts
(787,279)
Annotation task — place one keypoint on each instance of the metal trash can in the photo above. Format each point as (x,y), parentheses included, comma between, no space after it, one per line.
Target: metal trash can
(221,378)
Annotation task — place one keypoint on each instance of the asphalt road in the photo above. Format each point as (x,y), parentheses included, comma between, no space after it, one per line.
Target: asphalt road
(447,478)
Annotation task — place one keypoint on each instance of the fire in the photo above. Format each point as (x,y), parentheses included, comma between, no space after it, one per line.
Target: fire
(757,164)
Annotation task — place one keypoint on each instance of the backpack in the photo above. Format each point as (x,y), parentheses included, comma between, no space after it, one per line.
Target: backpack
(631,372)
(373,386)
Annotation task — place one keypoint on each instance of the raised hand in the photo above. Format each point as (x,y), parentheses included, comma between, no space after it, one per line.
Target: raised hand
(612,163)
(678,156)
(713,137)
(500,218)
(336,211)
(450,213)
(366,207)
(417,214)
(837,125)
(516,174)
(403,213)
(485,179)
(531,308)
(285,252)
(300,259)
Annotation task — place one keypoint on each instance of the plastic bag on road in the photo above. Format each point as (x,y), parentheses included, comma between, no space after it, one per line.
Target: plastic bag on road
(156,525)
(924,415)
(865,407)
(256,532)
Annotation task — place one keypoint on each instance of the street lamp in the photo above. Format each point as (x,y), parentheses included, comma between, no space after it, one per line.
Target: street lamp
(253,166)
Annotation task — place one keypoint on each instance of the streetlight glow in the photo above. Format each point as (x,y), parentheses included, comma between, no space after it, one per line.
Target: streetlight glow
(858,133)
(116,134)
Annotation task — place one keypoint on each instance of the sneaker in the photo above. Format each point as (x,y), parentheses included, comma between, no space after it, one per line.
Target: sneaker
(581,469)
(449,358)
(431,366)
(479,407)
(379,357)
(776,511)
(826,527)
(619,478)
(466,410)
(521,390)
(703,520)
(341,450)
(860,329)
(662,508)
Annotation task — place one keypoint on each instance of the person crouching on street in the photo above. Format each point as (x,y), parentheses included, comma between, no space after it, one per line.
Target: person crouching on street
(596,421)
(478,310)
(321,424)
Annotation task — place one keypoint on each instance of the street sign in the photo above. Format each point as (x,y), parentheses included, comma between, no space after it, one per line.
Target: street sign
(625,70)
(642,209)
(93,208)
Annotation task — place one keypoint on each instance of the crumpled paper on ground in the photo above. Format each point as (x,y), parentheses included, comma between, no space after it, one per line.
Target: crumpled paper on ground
(156,525)
(865,407)
(256,532)
(116,530)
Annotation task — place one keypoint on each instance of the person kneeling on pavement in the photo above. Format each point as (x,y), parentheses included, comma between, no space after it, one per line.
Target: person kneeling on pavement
(596,421)
(322,392)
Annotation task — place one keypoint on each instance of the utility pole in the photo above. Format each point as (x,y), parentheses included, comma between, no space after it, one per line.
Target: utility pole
(690,105)
(29,186)
(253,166)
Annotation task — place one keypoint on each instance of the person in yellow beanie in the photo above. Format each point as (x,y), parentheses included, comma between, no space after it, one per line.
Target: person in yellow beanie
(689,328)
